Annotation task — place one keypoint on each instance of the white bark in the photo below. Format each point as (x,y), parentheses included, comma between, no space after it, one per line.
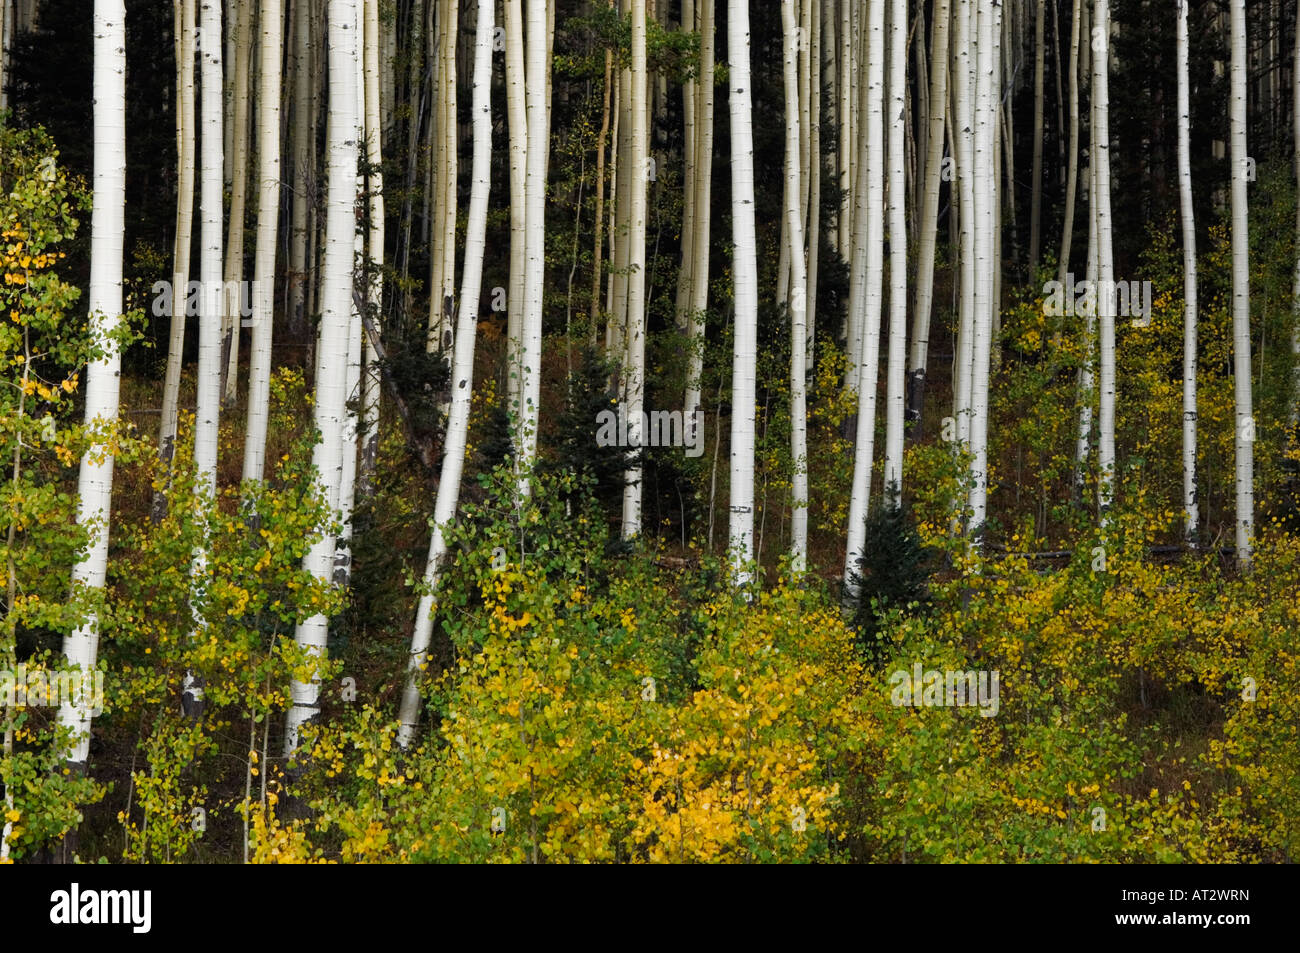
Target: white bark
(453,459)
(1240,242)
(107,228)
(268,216)
(1105,263)
(964,129)
(937,114)
(517,119)
(335,320)
(896,373)
(370,385)
(182,245)
(1072,175)
(797,300)
(699,299)
(1190,508)
(536,85)
(865,291)
(634,364)
(234,274)
(745,272)
(987,94)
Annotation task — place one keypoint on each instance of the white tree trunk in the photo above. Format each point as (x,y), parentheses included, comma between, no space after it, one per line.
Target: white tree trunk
(302,135)
(634,364)
(453,460)
(797,300)
(745,272)
(1072,174)
(929,220)
(699,300)
(987,94)
(370,384)
(537,45)
(335,320)
(107,228)
(517,119)
(1036,173)
(182,246)
(268,217)
(1105,263)
(212,301)
(868,258)
(896,372)
(234,273)
(964,126)
(1241,362)
(1190,508)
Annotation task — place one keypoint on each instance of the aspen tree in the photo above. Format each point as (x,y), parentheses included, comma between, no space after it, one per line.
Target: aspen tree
(928,224)
(797,300)
(183,241)
(1036,172)
(335,319)
(1244,443)
(1105,261)
(1190,508)
(536,83)
(234,270)
(634,363)
(107,231)
(268,216)
(453,460)
(865,291)
(896,371)
(702,222)
(370,384)
(740,538)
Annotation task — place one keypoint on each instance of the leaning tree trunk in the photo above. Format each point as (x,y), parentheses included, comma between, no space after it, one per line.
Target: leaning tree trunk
(453,460)
(182,244)
(929,220)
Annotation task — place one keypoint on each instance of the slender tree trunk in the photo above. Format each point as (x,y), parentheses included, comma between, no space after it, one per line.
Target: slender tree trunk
(896,372)
(538,107)
(1105,263)
(336,318)
(95,483)
(699,301)
(988,76)
(797,300)
(234,272)
(929,221)
(370,384)
(453,459)
(303,175)
(212,302)
(634,365)
(517,119)
(1190,508)
(1293,418)
(268,216)
(182,245)
(745,276)
(868,259)
(1240,241)
(1072,172)
(1036,173)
